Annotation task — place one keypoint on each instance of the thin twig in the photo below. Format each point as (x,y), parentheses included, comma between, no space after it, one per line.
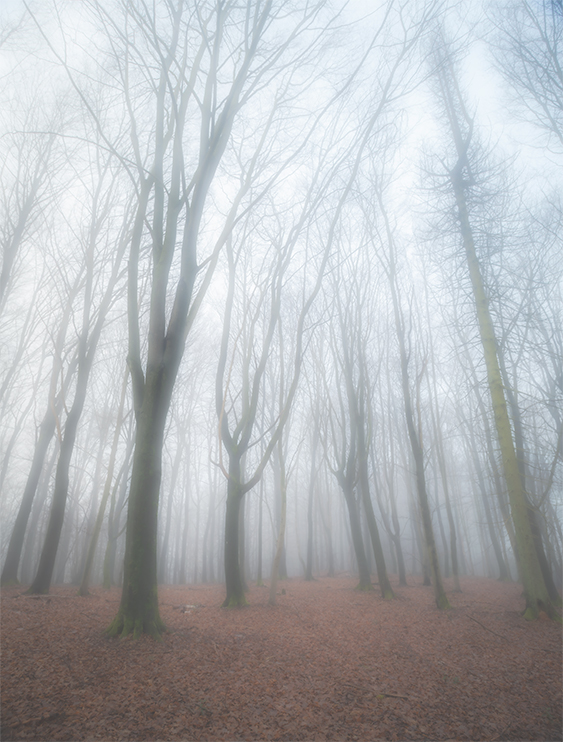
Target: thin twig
(501,732)
(487,629)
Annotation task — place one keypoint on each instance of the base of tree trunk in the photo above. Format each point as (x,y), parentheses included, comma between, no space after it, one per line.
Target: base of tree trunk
(442,602)
(37,590)
(235,601)
(123,626)
(533,610)
(365,587)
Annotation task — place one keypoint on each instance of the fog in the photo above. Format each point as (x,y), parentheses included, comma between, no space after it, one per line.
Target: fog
(280,295)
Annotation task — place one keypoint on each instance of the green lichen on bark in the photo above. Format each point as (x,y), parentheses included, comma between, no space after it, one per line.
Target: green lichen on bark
(235,601)
(364,587)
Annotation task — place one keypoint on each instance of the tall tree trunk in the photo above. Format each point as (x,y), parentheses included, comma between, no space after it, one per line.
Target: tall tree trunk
(46,431)
(259,578)
(389,472)
(235,588)
(440,597)
(281,533)
(83,590)
(114,515)
(42,581)
(164,551)
(242,543)
(312,484)
(138,611)
(535,589)
(384,584)
(326,521)
(504,574)
(356,534)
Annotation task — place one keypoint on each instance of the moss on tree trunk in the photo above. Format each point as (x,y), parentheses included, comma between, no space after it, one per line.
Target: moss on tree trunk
(535,590)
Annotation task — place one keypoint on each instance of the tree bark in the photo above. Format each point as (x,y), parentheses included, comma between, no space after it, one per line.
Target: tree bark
(138,611)
(235,589)
(535,589)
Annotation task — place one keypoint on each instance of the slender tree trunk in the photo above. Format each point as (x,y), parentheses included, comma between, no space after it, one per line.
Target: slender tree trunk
(281,533)
(259,578)
(42,581)
(164,551)
(442,534)
(282,570)
(384,584)
(440,597)
(312,483)
(46,431)
(119,489)
(326,521)
(503,570)
(535,589)
(395,531)
(357,540)
(83,590)
(242,543)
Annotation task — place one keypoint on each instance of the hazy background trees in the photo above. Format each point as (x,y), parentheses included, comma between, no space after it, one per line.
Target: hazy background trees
(259,210)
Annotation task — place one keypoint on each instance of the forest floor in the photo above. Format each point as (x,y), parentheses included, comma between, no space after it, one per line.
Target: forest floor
(326,663)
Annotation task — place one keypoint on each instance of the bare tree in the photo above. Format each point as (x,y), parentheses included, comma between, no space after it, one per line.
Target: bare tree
(465,178)
(98,242)
(403,329)
(199,63)
(528,46)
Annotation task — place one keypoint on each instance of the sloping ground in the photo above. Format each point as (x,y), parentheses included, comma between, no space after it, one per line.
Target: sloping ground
(327,663)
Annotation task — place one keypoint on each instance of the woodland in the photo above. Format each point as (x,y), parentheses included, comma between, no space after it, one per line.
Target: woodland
(281,369)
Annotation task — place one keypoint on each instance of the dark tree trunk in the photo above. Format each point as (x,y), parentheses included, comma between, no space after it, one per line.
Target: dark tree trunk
(233,577)
(384,584)
(42,580)
(138,611)
(357,541)
(11,565)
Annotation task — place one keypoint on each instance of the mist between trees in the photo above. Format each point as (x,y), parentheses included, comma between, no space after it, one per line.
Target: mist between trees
(281,295)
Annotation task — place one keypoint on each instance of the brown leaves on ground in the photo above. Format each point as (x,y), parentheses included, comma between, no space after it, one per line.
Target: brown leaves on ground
(326,663)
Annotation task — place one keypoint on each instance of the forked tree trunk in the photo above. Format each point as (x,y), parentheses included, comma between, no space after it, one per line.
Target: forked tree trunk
(357,540)
(384,584)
